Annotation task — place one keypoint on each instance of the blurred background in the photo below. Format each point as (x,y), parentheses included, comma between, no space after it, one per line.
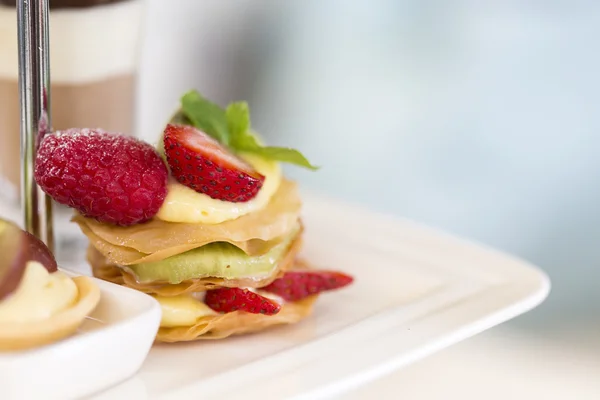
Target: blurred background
(478,117)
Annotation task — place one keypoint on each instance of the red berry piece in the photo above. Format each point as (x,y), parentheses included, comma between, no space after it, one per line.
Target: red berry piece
(236,299)
(204,165)
(113,178)
(296,285)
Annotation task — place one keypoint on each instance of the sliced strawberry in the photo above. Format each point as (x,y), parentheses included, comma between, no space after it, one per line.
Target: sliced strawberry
(203,164)
(236,299)
(296,285)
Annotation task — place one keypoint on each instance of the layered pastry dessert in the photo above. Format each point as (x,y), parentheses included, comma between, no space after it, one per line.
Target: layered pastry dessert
(39,305)
(205,222)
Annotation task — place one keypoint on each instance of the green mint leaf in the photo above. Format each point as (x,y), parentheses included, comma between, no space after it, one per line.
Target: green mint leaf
(247,143)
(238,121)
(241,140)
(231,127)
(206,116)
(282,154)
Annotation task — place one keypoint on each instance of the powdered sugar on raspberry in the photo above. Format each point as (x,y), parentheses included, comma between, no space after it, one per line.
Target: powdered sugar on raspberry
(111,177)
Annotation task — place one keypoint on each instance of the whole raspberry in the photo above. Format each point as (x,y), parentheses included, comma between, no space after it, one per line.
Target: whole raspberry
(110,177)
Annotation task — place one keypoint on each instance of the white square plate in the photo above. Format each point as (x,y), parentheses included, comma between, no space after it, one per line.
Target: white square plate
(416,292)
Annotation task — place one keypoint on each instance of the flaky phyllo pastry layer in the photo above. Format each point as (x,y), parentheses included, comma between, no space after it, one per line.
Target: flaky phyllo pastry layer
(237,323)
(255,233)
(216,326)
(113,250)
(102,268)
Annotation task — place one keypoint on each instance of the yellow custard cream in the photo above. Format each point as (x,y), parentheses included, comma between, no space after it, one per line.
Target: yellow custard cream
(182,310)
(183,204)
(39,296)
(187,309)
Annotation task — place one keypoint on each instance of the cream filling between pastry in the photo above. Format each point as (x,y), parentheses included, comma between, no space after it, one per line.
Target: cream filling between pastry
(183,310)
(183,204)
(187,309)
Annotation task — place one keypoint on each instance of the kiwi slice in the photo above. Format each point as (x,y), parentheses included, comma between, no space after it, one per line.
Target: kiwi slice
(219,260)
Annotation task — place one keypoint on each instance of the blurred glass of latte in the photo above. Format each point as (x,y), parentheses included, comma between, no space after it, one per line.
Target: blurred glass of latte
(93,58)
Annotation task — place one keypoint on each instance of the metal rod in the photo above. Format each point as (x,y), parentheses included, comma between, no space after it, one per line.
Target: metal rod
(34,88)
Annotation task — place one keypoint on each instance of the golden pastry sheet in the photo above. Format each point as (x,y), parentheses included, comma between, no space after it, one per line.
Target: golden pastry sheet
(104,269)
(128,256)
(156,239)
(237,323)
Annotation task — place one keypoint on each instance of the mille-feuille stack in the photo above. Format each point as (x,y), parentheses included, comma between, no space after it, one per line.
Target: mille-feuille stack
(206,223)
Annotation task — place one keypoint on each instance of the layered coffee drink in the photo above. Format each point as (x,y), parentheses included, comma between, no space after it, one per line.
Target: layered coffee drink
(93,57)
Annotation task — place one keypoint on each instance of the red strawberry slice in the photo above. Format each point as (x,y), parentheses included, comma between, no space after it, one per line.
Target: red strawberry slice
(203,164)
(236,299)
(296,285)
